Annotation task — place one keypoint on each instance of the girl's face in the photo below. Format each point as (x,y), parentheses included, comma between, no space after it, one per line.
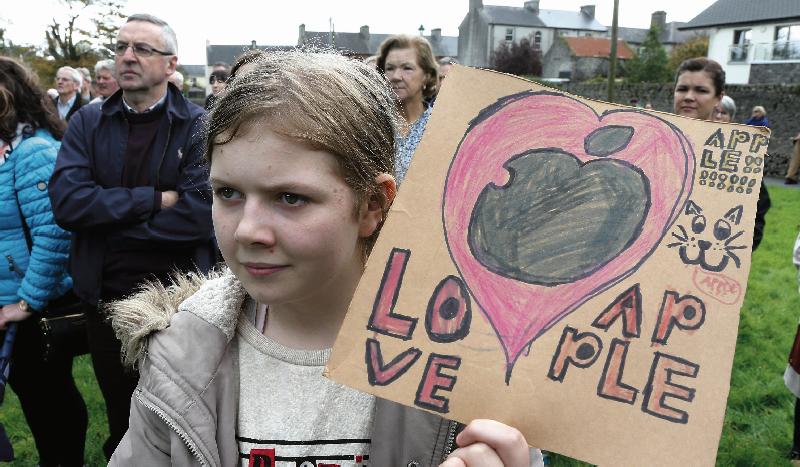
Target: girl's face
(404,74)
(695,95)
(286,221)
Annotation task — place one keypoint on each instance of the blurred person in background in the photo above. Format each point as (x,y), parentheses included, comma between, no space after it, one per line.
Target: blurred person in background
(105,80)
(86,85)
(758,117)
(217,81)
(36,250)
(68,86)
(409,65)
(725,111)
(177,79)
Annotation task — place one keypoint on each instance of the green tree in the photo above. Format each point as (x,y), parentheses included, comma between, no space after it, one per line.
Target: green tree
(697,46)
(521,59)
(69,42)
(650,64)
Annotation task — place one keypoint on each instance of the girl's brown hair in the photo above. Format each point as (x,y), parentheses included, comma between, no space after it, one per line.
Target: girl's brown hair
(322,99)
(23,101)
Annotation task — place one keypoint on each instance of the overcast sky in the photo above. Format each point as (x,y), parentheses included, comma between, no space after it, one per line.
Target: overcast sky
(273,22)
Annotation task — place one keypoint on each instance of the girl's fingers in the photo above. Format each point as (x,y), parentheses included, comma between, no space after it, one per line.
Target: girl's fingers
(507,442)
(474,455)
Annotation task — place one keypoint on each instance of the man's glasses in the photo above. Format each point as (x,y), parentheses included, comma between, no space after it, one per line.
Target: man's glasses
(214,79)
(139,49)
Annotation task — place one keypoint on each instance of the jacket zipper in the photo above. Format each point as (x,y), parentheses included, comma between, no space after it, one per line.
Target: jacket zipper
(182,434)
(451,439)
(163,155)
(13,266)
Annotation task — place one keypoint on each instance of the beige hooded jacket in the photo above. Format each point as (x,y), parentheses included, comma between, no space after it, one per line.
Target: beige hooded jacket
(184,409)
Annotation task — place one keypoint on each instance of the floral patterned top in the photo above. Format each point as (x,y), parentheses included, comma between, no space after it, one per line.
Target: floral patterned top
(408,144)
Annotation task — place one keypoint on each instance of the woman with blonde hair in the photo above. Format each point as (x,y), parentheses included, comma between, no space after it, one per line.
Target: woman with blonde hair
(409,65)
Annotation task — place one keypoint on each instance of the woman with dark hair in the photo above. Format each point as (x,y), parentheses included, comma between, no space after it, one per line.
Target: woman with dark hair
(698,88)
(409,65)
(36,250)
(217,81)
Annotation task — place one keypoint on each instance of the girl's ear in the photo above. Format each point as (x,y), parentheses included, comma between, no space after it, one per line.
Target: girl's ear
(376,206)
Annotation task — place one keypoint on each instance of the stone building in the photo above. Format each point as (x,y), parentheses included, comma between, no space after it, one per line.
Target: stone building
(670,34)
(582,58)
(486,26)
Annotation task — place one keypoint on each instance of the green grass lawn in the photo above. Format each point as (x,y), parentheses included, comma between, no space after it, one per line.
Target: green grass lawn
(758,422)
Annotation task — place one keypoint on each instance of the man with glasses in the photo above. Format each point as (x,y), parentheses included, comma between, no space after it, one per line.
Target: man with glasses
(130,184)
(68,83)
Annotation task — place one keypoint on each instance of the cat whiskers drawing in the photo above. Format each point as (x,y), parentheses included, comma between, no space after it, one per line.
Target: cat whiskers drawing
(710,249)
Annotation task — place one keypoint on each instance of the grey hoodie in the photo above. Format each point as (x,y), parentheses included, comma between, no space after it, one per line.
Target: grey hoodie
(185,407)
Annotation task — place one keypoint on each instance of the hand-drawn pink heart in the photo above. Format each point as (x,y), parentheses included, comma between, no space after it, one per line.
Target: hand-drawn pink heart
(547,204)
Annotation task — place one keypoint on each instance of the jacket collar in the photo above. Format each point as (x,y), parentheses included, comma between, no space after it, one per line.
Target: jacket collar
(175,104)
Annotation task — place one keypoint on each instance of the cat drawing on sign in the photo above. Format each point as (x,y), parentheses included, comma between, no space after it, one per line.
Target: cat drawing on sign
(709,242)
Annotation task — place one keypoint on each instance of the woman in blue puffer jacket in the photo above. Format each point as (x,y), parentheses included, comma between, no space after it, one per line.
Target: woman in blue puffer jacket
(35,250)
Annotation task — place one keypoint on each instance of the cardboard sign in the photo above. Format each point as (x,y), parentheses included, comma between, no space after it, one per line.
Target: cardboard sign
(569,267)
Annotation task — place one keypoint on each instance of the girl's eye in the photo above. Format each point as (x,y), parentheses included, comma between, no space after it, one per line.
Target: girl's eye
(227,193)
(293,199)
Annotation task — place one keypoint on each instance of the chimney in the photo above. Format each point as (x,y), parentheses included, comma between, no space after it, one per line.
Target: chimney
(364,32)
(588,10)
(302,37)
(436,35)
(252,44)
(532,6)
(659,20)
(475,5)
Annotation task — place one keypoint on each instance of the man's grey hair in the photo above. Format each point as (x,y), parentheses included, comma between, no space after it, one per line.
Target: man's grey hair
(167,34)
(74,74)
(105,65)
(447,61)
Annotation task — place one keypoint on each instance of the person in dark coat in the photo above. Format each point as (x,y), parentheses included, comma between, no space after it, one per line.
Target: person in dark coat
(130,184)
(68,85)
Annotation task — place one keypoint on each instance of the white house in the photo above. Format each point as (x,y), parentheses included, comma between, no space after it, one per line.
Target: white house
(756,42)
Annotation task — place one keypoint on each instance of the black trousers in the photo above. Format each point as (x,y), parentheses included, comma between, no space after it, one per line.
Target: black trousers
(51,403)
(116,382)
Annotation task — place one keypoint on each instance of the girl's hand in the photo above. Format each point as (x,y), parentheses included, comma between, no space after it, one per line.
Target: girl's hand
(489,443)
(11,313)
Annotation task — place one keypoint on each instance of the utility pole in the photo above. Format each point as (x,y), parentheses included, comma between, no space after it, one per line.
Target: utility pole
(612,68)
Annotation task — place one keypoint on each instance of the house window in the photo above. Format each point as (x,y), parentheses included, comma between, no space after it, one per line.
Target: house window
(740,46)
(587,34)
(509,34)
(787,42)
(537,40)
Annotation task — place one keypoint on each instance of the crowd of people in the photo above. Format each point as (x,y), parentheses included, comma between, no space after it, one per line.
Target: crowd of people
(108,189)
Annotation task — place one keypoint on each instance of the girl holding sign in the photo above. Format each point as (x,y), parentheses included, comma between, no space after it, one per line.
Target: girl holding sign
(300,148)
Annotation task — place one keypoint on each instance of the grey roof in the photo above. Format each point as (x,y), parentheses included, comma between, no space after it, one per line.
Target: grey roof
(512,15)
(672,34)
(569,20)
(557,19)
(355,43)
(229,53)
(724,12)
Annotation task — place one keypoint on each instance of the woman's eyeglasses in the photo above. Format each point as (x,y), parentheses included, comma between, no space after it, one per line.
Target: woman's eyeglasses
(139,49)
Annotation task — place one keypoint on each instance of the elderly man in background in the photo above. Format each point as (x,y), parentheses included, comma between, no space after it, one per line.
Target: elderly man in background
(105,80)
(177,79)
(68,85)
(130,184)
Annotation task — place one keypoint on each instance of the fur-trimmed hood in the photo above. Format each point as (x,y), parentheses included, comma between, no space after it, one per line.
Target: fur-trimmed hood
(216,298)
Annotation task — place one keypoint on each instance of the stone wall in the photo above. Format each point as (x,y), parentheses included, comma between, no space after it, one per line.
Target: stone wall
(782,103)
(774,73)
